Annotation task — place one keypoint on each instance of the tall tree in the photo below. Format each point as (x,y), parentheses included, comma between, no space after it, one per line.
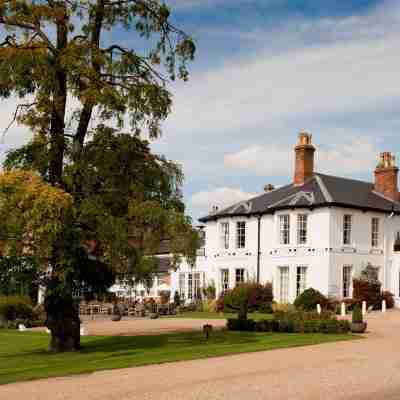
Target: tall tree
(56,56)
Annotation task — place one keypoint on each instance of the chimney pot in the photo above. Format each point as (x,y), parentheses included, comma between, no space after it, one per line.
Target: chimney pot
(304,160)
(269,188)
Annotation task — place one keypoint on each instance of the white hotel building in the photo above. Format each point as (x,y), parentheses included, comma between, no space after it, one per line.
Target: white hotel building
(318,231)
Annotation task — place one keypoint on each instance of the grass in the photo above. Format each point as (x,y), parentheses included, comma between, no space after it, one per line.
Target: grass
(23,355)
(214,315)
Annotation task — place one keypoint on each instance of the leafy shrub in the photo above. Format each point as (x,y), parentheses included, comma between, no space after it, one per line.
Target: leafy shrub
(357,316)
(369,291)
(177,299)
(209,291)
(389,298)
(309,299)
(15,307)
(220,303)
(210,305)
(238,324)
(247,297)
(265,325)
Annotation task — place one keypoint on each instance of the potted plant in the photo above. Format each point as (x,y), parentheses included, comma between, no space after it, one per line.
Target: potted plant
(357,324)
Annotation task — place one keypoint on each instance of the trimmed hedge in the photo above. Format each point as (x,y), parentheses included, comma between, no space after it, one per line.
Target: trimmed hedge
(293,322)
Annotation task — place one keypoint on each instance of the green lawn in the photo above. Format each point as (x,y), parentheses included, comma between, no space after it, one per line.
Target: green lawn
(23,355)
(213,315)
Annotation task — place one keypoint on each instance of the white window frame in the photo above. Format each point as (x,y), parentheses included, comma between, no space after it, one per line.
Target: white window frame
(240,234)
(375,232)
(182,284)
(284,286)
(224,279)
(196,286)
(301,279)
(284,229)
(302,228)
(239,276)
(224,235)
(347,229)
(347,287)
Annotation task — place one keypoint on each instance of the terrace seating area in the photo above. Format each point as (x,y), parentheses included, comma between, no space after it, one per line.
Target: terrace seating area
(127,308)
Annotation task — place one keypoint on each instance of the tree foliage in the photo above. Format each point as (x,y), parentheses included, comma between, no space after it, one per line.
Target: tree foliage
(109,201)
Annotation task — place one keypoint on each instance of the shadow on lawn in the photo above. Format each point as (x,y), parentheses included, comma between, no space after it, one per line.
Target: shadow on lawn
(154,343)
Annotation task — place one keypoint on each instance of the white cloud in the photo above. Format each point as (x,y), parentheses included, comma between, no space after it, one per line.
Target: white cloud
(357,156)
(334,76)
(221,197)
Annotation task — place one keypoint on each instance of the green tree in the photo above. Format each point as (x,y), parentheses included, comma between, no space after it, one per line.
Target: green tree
(124,198)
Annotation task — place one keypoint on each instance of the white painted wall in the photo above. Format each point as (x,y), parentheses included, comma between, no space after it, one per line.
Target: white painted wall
(324,253)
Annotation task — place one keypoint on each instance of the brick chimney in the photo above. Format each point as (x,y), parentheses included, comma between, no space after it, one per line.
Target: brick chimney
(386,176)
(304,162)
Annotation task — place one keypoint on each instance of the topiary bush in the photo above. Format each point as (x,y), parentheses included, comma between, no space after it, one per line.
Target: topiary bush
(357,317)
(309,299)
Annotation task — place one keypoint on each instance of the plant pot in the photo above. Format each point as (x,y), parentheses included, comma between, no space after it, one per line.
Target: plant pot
(358,327)
(116,317)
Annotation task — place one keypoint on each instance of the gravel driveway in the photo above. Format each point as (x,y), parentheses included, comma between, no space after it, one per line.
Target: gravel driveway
(357,370)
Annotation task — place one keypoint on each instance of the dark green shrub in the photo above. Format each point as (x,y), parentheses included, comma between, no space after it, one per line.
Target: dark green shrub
(244,325)
(264,325)
(357,316)
(177,299)
(309,299)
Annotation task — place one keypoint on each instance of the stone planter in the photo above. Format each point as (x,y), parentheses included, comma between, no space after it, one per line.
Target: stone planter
(116,317)
(358,327)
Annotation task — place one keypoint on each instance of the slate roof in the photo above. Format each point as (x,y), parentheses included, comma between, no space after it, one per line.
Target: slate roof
(318,191)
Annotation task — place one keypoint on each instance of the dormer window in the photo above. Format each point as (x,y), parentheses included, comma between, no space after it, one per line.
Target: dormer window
(347,225)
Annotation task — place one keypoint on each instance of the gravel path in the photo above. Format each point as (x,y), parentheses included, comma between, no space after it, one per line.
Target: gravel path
(357,370)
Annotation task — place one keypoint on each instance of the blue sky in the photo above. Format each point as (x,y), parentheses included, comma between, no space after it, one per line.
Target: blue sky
(266,69)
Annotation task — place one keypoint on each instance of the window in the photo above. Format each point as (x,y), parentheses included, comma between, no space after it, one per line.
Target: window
(240,234)
(301,228)
(224,279)
(347,272)
(284,229)
(224,235)
(284,284)
(375,232)
(190,286)
(196,289)
(182,285)
(347,220)
(301,276)
(239,278)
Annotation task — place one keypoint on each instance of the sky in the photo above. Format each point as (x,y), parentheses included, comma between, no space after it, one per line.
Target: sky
(266,70)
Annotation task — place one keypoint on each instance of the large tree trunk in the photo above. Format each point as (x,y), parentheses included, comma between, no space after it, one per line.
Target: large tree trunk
(64,324)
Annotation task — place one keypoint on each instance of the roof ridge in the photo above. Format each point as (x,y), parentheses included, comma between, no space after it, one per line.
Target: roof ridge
(324,189)
(342,177)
